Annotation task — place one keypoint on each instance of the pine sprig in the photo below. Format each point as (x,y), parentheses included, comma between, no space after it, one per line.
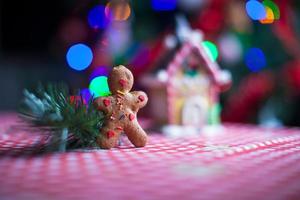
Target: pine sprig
(52,109)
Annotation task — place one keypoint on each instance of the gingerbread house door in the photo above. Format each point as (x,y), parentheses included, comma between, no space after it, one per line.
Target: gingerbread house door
(195,111)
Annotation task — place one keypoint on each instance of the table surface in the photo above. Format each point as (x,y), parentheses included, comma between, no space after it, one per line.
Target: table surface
(232,162)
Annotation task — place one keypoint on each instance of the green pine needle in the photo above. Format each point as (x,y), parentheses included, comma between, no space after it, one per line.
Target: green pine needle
(51,108)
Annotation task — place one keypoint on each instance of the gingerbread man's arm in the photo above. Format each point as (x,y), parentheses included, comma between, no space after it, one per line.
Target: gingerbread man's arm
(140,99)
(104,104)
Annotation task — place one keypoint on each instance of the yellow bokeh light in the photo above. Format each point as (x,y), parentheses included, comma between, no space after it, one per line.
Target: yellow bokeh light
(118,10)
(269,16)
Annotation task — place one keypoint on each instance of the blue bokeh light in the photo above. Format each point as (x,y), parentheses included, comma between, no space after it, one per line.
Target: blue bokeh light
(255,10)
(99,71)
(97,18)
(163,5)
(255,59)
(79,57)
(86,94)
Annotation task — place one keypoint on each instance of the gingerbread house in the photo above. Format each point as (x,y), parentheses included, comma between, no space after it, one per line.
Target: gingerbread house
(187,91)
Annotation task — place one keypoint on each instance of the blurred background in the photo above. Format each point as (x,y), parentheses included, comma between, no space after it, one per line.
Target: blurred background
(78,41)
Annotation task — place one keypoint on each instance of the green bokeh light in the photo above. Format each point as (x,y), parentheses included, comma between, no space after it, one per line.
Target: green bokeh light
(211,49)
(272,5)
(99,87)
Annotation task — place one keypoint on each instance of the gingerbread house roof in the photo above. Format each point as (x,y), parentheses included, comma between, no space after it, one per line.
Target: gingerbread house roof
(221,78)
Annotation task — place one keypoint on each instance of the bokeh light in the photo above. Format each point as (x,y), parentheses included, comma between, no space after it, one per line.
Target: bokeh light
(255,59)
(117,10)
(97,18)
(191,5)
(232,42)
(211,49)
(86,95)
(79,56)
(272,5)
(269,16)
(73,30)
(163,5)
(99,87)
(99,71)
(255,10)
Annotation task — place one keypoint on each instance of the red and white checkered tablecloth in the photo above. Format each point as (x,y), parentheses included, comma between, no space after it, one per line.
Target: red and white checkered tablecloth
(235,162)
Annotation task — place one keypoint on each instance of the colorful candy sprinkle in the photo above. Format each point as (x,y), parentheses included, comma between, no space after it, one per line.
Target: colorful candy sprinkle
(122,117)
(120,92)
(112,118)
(119,128)
(110,134)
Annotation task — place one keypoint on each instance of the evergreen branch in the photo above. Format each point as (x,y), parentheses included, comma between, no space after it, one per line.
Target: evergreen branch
(52,108)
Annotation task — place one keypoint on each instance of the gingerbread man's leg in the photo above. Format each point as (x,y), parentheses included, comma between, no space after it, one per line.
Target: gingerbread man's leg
(136,134)
(109,136)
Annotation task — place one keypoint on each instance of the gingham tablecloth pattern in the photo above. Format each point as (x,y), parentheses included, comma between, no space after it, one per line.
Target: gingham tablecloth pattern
(234,162)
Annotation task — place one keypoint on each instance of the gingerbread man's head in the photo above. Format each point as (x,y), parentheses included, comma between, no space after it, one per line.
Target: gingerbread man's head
(120,80)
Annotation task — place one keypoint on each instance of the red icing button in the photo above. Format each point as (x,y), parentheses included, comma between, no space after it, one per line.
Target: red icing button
(106,102)
(141,98)
(110,134)
(122,82)
(131,116)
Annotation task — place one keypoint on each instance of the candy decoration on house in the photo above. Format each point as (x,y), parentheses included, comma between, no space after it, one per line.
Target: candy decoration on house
(120,110)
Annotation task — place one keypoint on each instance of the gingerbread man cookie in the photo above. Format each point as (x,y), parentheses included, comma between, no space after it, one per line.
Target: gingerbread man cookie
(120,110)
